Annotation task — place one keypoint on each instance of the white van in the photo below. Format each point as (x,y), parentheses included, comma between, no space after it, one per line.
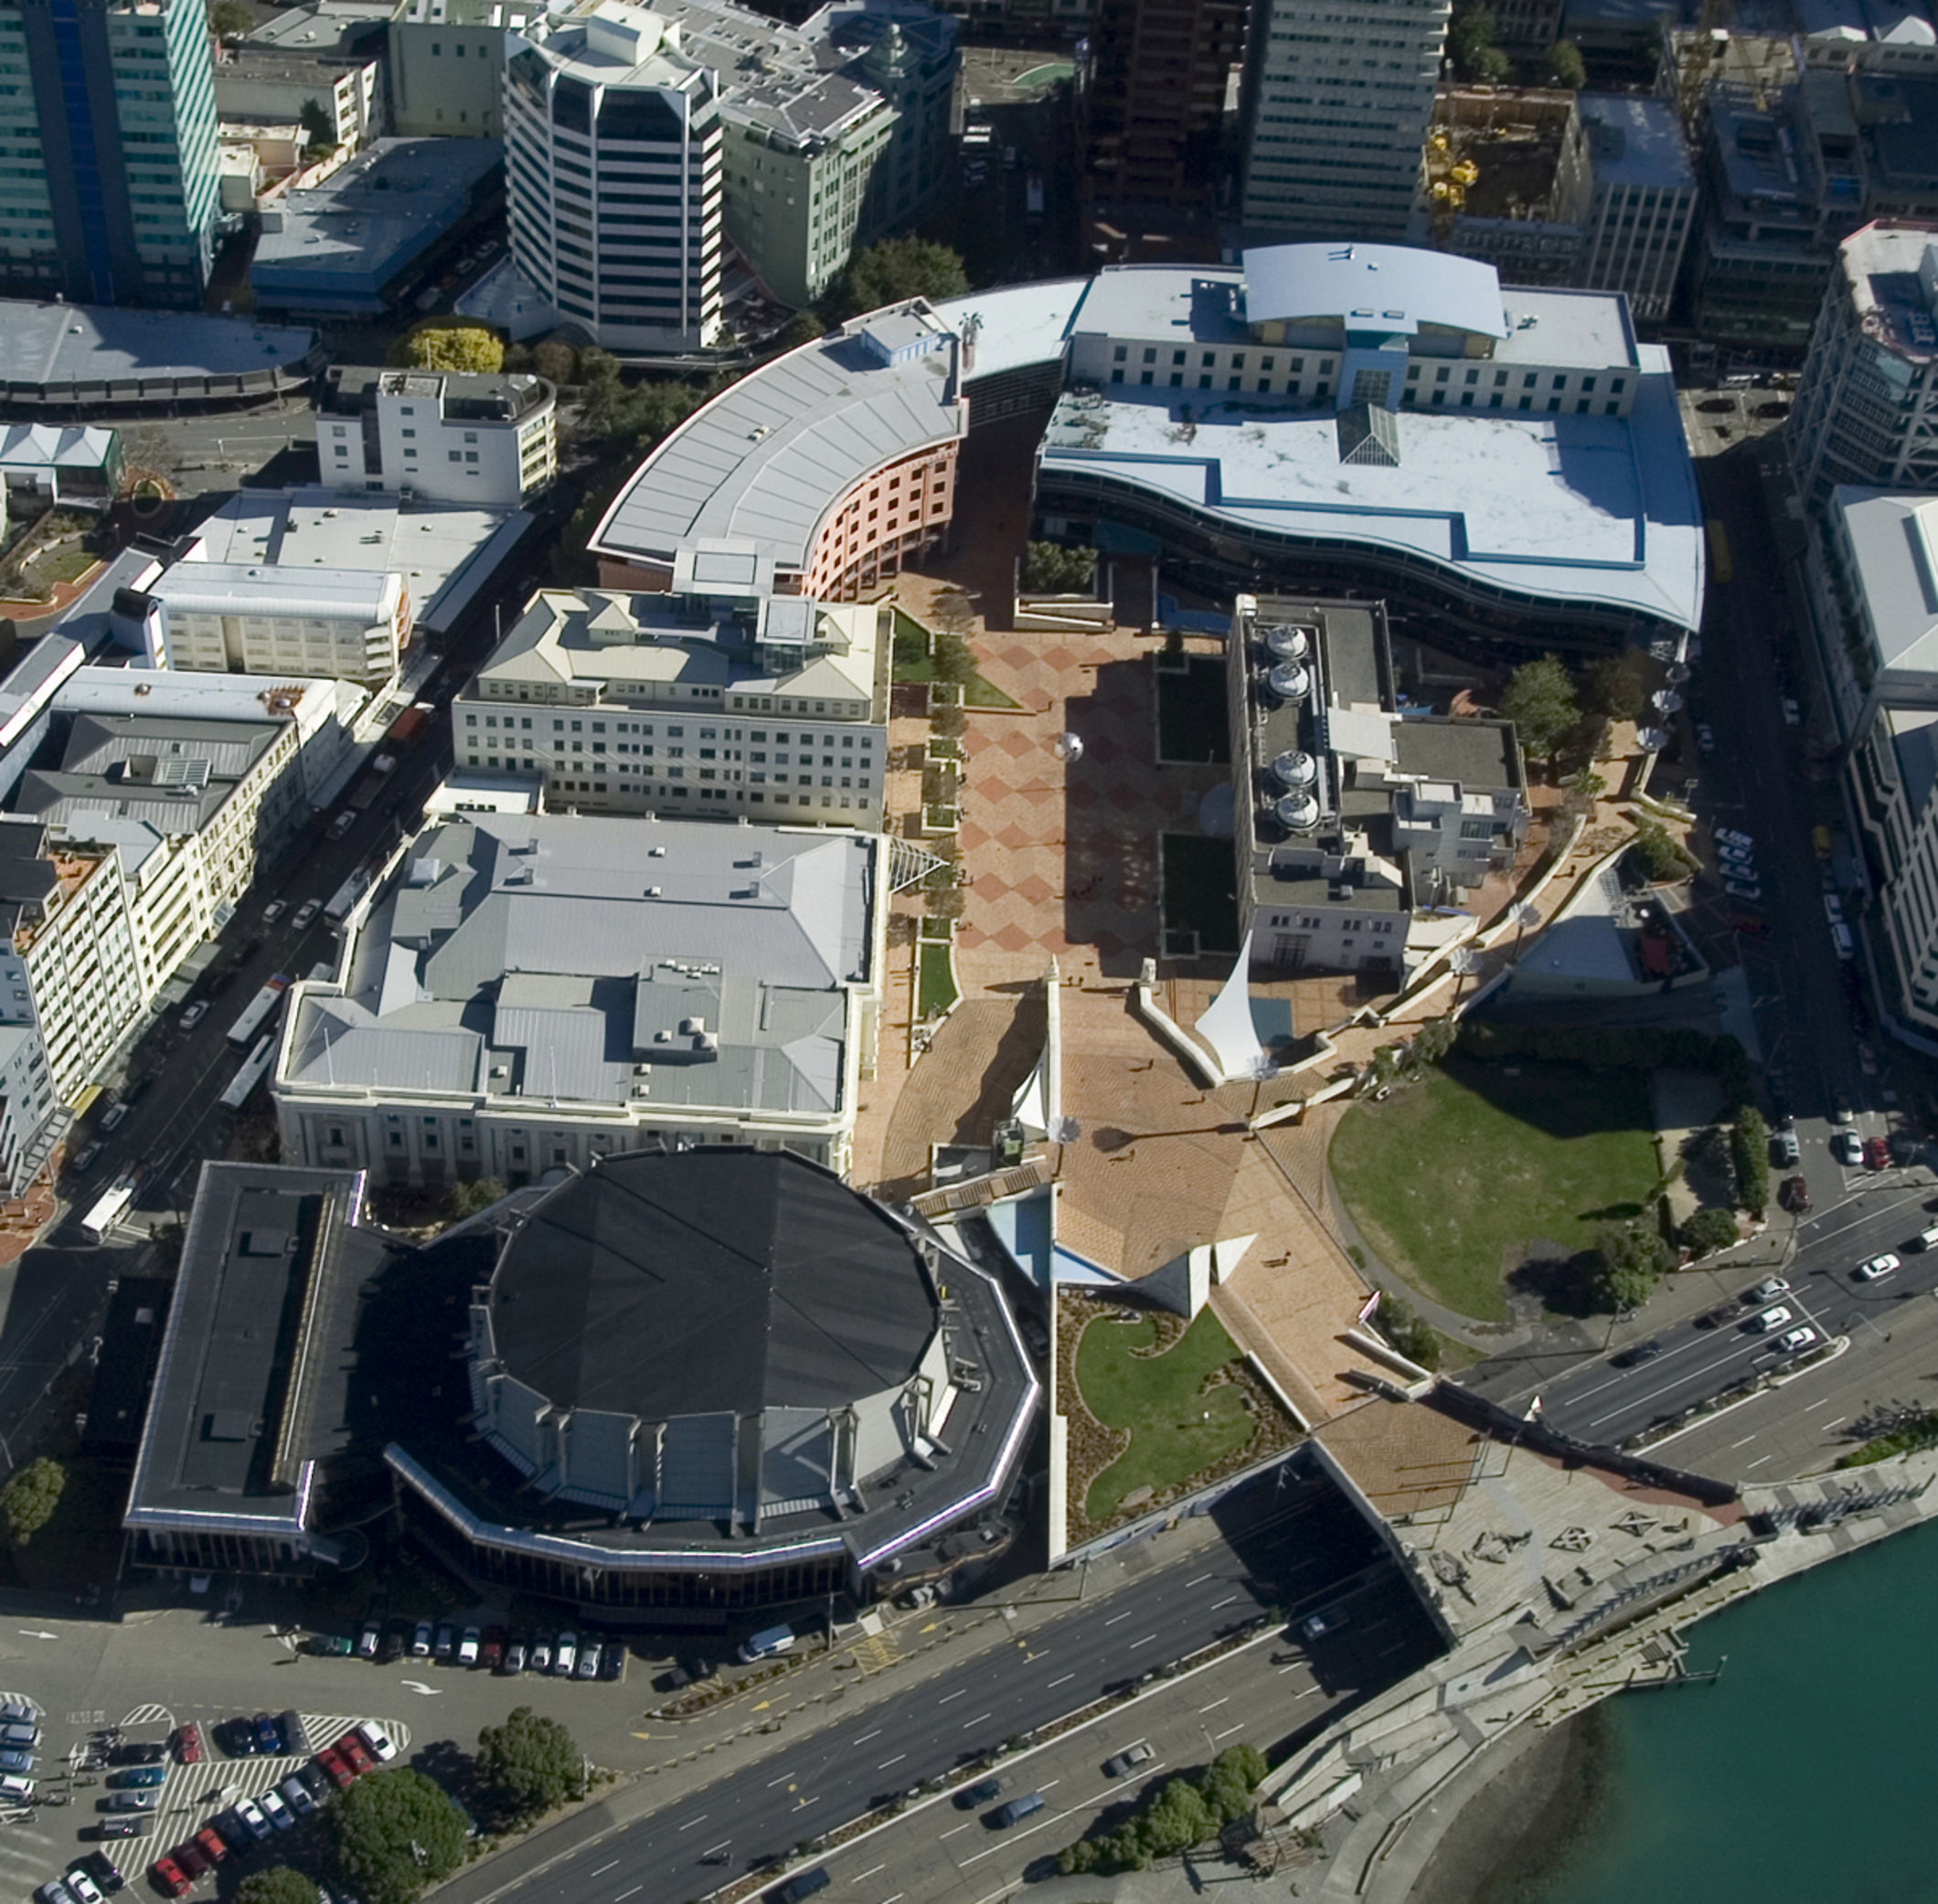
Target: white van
(767,1643)
(1840,938)
(13,1790)
(1926,1238)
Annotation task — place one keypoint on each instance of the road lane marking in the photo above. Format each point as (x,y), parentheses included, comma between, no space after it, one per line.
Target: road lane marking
(1230,1600)
(1828,1401)
(960,1692)
(604,1869)
(955,1828)
(621,1898)
(977,1721)
(1054,1684)
(1229,1730)
(1745,1441)
(867,1736)
(1760,1462)
(894,1761)
(1200,1579)
(1311,1692)
(781,1781)
(1215,1704)
(1144,1642)
(868,1873)
(1114,1618)
(692,1822)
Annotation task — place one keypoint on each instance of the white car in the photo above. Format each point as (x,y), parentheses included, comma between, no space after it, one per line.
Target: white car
(565,1656)
(306,913)
(194,1014)
(276,1810)
(468,1647)
(1833,908)
(1797,1341)
(274,911)
(1771,1319)
(1742,888)
(1848,1148)
(1768,1290)
(1877,1269)
(1793,714)
(84,1886)
(1729,836)
(383,1747)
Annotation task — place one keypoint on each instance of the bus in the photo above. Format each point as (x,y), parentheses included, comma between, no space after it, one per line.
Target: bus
(1721,567)
(343,901)
(255,1068)
(258,1013)
(109,1211)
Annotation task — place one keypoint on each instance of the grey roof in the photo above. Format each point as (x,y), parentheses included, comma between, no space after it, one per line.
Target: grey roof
(577,958)
(817,419)
(1893,542)
(1477,753)
(171,774)
(265,1295)
(1637,141)
(61,343)
(1392,289)
(707,1281)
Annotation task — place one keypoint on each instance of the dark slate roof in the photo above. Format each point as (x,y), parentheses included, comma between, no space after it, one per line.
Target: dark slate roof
(667,1284)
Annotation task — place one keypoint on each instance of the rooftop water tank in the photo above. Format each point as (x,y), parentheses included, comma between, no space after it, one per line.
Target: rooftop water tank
(1299,813)
(1289,680)
(1294,768)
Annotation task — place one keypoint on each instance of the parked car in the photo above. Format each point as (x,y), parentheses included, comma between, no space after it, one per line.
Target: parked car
(210,1841)
(274,911)
(296,1739)
(1796,1342)
(1877,1152)
(447,1640)
(376,1740)
(1848,1148)
(82,1885)
(275,1810)
(565,1656)
(514,1657)
(612,1659)
(114,1116)
(268,1739)
(357,1753)
(296,1795)
(15,1761)
(1729,836)
(15,1790)
(1877,1268)
(1741,890)
(169,1876)
(370,1639)
(149,1800)
(336,1768)
(315,1781)
(343,823)
(1129,1759)
(589,1660)
(541,1653)
(329,1645)
(55,1893)
(468,1647)
(85,1159)
(420,1641)
(137,1778)
(236,1738)
(1784,1148)
(193,1859)
(104,1871)
(124,1828)
(491,1654)
(189,1744)
(253,1819)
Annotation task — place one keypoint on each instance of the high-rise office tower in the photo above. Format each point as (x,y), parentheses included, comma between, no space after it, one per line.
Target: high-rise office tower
(107,179)
(1337,102)
(1156,98)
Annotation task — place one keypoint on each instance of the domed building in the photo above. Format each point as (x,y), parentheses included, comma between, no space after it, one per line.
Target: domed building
(721,1376)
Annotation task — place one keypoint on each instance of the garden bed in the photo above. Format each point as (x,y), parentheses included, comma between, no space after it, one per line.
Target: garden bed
(936,991)
(914,661)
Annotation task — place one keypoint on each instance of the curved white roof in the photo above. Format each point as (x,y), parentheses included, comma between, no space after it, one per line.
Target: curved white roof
(318,594)
(1393,288)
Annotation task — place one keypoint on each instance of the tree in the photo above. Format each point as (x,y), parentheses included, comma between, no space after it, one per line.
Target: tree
(1177,1819)
(1540,699)
(1616,685)
(599,381)
(1564,65)
(1629,1263)
(464,1199)
(1750,1152)
(1663,854)
(1708,1230)
(949,720)
(533,1764)
(953,613)
(230,19)
(653,412)
(397,1832)
(444,345)
(1585,786)
(1227,1784)
(1433,1040)
(897,269)
(278,1885)
(316,121)
(1471,47)
(949,659)
(30,1498)
(1404,1326)
(1051,569)
(555,360)
(802,327)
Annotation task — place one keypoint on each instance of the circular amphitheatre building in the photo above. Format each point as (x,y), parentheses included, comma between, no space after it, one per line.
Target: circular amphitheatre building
(721,1377)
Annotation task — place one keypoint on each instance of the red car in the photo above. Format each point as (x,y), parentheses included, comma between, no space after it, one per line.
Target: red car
(168,1876)
(188,1745)
(357,1753)
(215,1847)
(1877,1152)
(342,1773)
(191,1859)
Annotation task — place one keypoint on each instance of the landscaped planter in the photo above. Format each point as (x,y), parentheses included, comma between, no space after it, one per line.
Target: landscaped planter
(937,821)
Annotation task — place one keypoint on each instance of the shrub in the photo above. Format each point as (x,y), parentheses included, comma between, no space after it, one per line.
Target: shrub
(278,1886)
(1048,568)
(1708,1230)
(30,1498)
(1662,853)
(1407,1331)
(1750,1151)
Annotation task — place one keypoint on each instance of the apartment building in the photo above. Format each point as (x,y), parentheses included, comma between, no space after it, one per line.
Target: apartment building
(1336,105)
(772,708)
(347,624)
(1867,403)
(443,436)
(109,169)
(526,991)
(328,54)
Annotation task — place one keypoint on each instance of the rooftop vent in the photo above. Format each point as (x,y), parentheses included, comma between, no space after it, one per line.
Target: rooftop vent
(1288,642)
(1297,813)
(1289,681)
(1294,770)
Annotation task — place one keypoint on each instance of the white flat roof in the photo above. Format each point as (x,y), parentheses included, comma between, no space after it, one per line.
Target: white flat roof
(198,588)
(1390,288)
(1595,510)
(1894,544)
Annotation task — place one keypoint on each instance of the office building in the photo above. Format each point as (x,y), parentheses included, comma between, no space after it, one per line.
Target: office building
(1359,831)
(31,1115)
(614,145)
(1866,410)
(344,624)
(525,991)
(700,704)
(447,66)
(108,165)
(444,436)
(1336,106)
(327,56)
(1645,200)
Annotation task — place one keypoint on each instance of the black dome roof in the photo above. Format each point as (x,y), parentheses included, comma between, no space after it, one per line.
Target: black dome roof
(718,1280)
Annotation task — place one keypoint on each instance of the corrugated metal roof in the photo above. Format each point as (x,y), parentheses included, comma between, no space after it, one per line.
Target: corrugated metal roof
(1390,288)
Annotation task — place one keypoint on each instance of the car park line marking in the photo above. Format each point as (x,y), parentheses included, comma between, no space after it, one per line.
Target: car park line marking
(975,1722)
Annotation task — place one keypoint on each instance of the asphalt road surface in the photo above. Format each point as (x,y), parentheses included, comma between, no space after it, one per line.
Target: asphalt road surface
(1301,1545)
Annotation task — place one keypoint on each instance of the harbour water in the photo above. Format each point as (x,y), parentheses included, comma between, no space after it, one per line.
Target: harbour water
(1808,1771)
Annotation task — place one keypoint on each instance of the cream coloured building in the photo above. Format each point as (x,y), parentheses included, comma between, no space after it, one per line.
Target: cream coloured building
(239,618)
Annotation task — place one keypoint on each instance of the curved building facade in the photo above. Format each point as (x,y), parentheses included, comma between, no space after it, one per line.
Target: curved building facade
(614,173)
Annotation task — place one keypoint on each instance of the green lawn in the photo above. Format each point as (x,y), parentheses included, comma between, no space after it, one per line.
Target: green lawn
(1176,1431)
(913,664)
(937,981)
(1199,889)
(1452,1177)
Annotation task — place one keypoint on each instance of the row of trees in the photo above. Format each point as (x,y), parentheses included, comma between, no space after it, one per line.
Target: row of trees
(1185,1812)
(1475,50)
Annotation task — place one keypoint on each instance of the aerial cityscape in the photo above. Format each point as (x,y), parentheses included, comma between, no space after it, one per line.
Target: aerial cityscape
(967,951)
